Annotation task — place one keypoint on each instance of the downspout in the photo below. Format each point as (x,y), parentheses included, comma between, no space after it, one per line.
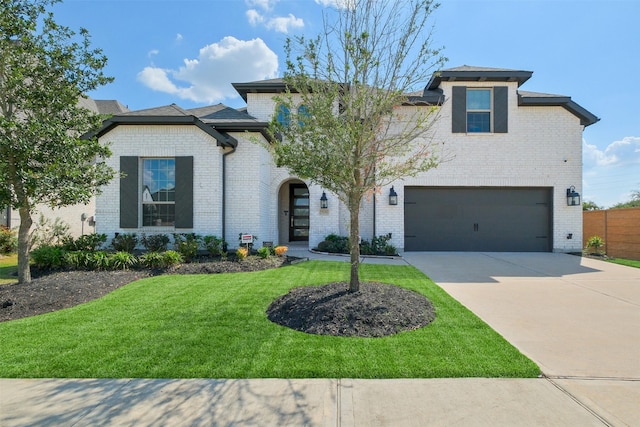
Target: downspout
(224,192)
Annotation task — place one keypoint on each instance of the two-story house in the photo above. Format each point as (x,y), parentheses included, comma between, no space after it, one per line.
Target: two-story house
(514,157)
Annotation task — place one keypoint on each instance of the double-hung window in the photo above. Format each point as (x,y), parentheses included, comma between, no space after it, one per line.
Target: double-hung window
(478,110)
(158,189)
(158,192)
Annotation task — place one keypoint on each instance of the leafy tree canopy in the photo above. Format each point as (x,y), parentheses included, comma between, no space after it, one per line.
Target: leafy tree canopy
(45,69)
(354,124)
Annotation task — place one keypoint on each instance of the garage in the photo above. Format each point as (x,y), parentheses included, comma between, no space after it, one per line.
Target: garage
(478,219)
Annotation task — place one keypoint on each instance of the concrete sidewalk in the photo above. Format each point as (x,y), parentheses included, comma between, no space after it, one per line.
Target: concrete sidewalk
(577,318)
(281,402)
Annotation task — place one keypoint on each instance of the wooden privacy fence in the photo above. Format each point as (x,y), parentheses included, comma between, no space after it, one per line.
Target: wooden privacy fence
(619,228)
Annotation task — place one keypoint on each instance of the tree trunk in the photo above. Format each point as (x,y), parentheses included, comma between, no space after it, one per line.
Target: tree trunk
(24,243)
(354,241)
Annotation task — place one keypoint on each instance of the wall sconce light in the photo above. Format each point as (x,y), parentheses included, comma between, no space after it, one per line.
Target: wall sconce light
(573,197)
(393,197)
(324,202)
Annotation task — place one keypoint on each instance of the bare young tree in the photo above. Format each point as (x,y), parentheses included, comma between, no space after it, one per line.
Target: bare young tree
(357,126)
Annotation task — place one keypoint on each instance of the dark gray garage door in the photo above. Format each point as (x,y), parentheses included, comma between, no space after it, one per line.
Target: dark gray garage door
(477,219)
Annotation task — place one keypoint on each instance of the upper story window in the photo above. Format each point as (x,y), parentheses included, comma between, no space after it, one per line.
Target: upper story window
(283,115)
(158,192)
(479,110)
(303,113)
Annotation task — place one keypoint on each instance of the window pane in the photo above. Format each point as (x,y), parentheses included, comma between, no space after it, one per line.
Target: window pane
(158,185)
(478,122)
(478,99)
(283,116)
(158,215)
(301,212)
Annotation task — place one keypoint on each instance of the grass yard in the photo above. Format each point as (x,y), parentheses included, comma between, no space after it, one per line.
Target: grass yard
(215,326)
(627,262)
(8,267)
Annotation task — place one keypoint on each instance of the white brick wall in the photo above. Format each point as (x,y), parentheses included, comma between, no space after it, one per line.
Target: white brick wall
(542,149)
(166,141)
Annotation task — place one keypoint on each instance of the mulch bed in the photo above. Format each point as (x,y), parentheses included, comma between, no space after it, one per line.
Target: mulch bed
(376,310)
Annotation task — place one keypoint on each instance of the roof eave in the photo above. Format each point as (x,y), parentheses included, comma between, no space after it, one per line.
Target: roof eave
(221,139)
(479,76)
(586,117)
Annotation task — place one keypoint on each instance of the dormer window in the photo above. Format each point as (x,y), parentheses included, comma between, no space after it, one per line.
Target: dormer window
(479,110)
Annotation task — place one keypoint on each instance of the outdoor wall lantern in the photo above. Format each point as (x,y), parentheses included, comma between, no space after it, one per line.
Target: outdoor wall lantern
(393,197)
(324,202)
(573,197)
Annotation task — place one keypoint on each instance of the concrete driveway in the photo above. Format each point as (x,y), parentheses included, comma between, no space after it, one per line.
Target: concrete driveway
(578,318)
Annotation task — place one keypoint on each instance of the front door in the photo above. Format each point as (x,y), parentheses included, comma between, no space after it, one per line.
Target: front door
(299,212)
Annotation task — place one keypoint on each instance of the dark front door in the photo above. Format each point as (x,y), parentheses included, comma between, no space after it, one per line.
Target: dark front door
(299,212)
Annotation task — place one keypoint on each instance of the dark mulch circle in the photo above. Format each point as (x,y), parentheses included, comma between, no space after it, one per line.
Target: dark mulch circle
(376,310)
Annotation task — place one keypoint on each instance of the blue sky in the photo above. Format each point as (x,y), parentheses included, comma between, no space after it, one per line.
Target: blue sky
(189,52)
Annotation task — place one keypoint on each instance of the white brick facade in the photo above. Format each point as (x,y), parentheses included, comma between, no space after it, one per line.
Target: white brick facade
(542,148)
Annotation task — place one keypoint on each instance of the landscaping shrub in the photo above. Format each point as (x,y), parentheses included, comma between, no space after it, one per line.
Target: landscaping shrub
(8,240)
(596,243)
(242,253)
(155,242)
(264,252)
(334,244)
(81,260)
(214,245)
(281,250)
(160,259)
(48,257)
(126,242)
(187,245)
(122,260)
(87,242)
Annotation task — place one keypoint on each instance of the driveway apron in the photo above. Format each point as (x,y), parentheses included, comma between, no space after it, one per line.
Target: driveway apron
(577,318)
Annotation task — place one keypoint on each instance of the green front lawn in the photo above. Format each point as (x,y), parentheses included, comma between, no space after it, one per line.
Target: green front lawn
(8,267)
(627,262)
(215,326)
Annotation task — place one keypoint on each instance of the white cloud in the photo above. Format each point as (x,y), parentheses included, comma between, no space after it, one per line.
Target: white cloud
(338,4)
(153,52)
(618,153)
(282,24)
(254,17)
(262,4)
(208,77)
(179,37)
(609,175)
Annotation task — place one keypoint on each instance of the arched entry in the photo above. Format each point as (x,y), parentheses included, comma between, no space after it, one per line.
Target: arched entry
(294,204)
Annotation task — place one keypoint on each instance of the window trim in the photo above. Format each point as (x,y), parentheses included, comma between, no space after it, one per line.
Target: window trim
(142,203)
(490,110)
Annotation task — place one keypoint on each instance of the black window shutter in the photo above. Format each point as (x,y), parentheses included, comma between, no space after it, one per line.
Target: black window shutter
(129,192)
(500,109)
(184,192)
(459,110)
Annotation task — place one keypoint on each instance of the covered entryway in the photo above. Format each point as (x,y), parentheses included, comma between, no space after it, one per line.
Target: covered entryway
(478,219)
(294,208)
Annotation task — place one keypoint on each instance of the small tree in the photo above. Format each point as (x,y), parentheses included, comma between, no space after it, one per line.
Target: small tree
(45,69)
(633,203)
(356,127)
